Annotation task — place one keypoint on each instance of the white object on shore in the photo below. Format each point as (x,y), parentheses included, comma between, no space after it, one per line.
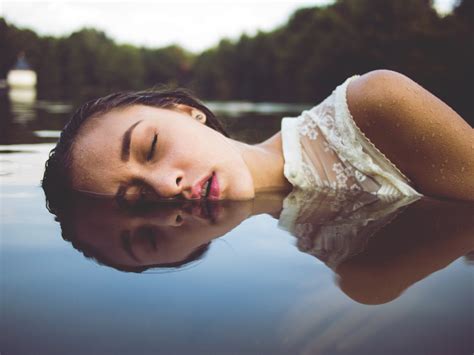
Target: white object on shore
(21,75)
(21,78)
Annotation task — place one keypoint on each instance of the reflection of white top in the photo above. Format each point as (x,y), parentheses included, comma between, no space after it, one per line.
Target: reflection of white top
(325,150)
(336,225)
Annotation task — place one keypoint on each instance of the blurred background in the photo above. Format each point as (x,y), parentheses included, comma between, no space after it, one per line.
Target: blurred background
(55,55)
(255,291)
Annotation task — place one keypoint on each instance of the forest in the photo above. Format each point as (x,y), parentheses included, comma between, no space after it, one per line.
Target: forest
(300,61)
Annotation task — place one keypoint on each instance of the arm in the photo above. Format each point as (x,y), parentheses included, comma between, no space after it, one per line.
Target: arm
(424,137)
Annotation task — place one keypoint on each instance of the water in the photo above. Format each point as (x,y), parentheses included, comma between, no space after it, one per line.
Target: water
(386,278)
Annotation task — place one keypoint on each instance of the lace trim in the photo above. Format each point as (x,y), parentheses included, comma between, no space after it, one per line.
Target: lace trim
(292,153)
(352,148)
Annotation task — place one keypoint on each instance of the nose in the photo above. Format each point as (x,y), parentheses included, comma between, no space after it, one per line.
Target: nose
(167,184)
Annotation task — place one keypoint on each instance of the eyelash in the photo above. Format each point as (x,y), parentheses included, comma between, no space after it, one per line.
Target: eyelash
(152,148)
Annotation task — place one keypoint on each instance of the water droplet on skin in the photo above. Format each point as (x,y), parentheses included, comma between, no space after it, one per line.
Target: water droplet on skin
(462,169)
(398,124)
(443,177)
(433,166)
(432,134)
(445,160)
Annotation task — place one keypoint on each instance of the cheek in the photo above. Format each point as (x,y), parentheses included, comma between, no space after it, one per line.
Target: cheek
(198,145)
(101,178)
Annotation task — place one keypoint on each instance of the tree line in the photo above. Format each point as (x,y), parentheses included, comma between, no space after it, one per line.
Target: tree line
(300,61)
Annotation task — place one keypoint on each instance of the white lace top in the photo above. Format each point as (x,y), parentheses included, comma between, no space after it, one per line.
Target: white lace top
(325,150)
(335,225)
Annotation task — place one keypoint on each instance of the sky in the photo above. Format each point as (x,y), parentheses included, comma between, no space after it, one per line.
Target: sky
(195,25)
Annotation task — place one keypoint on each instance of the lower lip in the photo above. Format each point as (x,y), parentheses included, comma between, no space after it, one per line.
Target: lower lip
(214,191)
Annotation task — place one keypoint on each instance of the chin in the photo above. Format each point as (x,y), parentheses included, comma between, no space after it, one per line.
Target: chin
(241,194)
(239,187)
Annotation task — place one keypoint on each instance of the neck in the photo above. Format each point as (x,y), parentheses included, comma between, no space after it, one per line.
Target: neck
(265,162)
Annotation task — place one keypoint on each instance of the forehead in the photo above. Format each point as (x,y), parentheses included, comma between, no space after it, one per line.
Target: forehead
(96,162)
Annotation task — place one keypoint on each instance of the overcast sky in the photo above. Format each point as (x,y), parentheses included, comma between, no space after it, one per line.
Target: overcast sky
(195,25)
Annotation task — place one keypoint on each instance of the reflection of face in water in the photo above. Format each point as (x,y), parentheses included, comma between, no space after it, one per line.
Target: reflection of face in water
(377,248)
(165,234)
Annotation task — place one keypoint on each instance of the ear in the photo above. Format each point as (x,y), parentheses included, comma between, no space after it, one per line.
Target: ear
(198,115)
(193,112)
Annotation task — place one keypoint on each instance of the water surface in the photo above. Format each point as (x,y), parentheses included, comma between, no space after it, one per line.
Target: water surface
(311,278)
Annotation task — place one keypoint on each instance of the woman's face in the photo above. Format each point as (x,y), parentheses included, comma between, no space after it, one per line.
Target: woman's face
(142,151)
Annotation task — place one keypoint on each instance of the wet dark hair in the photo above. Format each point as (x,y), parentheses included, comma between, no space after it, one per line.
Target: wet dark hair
(96,255)
(57,177)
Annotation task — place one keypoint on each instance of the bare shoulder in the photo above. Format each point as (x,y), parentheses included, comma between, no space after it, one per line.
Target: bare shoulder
(421,134)
(397,99)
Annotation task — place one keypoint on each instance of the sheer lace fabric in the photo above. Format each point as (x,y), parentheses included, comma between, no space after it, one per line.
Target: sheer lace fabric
(336,225)
(324,150)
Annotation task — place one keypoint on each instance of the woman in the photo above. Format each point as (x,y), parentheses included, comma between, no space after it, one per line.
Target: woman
(381,133)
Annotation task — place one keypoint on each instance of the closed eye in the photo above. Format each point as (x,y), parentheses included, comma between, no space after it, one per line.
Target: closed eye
(151,153)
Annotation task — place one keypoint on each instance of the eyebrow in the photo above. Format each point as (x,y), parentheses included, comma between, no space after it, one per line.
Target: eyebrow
(126,140)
